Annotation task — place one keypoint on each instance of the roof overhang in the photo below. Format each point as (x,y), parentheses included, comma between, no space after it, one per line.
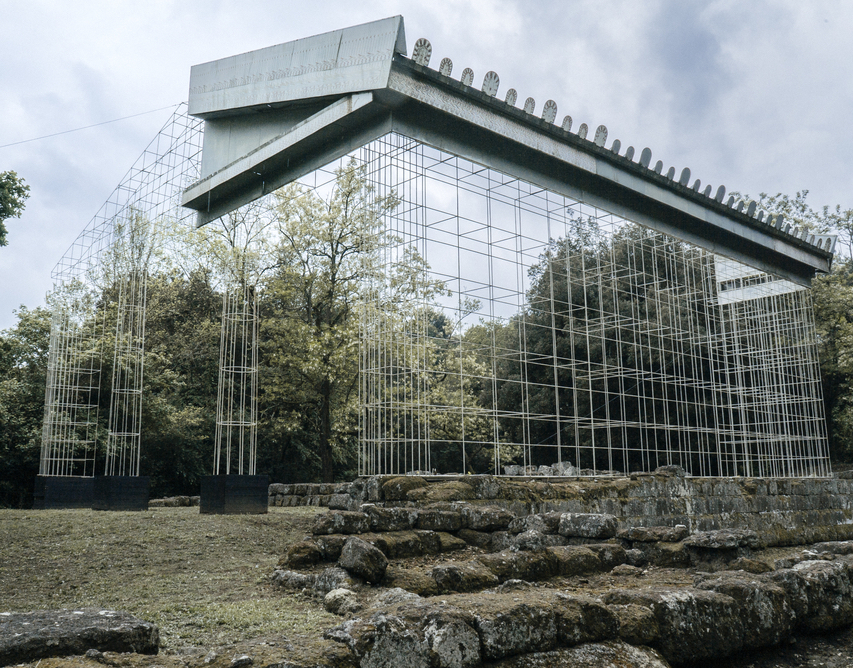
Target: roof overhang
(299,106)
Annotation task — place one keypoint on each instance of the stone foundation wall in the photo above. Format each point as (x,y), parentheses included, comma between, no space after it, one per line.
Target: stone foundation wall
(308,494)
(781,511)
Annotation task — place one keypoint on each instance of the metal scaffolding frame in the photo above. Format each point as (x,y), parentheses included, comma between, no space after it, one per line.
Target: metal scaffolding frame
(235,445)
(553,333)
(512,330)
(103,277)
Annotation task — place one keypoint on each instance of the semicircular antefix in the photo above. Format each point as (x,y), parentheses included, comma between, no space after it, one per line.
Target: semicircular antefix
(446,67)
(529,105)
(583,130)
(491,83)
(600,136)
(467,76)
(549,111)
(422,52)
(511,97)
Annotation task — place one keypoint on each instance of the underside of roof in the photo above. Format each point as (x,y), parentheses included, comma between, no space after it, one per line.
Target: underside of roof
(277,114)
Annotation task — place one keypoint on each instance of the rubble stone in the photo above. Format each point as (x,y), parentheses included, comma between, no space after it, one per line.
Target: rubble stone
(363,560)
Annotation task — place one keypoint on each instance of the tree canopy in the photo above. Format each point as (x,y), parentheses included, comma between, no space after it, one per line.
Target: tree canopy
(313,255)
(13,195)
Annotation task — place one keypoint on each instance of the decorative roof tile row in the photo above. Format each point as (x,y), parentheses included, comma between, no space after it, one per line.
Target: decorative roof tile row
(491,82)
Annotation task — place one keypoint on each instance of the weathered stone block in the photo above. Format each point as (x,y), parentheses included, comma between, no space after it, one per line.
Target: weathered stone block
(439,520)
(548,523)
(694,624)
(390,519)
(765,614)
(609,554)
(486,518)
(340,521)
(30,636)
(508,627)
(450,543)
(501,540)
(575,560)
(430,541)
(534,541)
(581,619)
(397,489)
(830,594)
(530,566)
(723,539)
(339,501)
(301,554)
(476,538)
(416,579)
(637,624)
(293,580)
(453,641)
(341,602)
(587,525)
(463,576)
(383,641)
(666,555)
(335,578)
(606,654)
(654,534)
(363,560)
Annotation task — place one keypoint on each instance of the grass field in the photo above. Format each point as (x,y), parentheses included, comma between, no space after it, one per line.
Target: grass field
(203,579)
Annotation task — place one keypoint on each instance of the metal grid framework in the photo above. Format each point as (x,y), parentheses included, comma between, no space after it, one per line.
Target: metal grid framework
(111,258)
(235,449)
(549,333)
(513,330)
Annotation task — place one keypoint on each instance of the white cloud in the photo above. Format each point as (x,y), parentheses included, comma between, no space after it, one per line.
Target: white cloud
(755,95)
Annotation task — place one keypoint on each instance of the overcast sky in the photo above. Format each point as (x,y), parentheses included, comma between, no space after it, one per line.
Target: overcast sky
(754,95)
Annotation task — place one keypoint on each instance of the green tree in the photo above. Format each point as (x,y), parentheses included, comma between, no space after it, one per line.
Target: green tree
(13,195)
(329,251)
(23,371)
(179,391)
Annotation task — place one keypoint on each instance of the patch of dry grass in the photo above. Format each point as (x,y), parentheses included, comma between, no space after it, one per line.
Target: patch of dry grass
(203,579)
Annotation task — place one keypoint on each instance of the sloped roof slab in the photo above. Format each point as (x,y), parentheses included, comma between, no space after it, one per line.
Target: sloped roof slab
(298,106)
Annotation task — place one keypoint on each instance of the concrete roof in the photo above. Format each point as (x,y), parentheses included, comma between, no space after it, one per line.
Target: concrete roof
(277,114)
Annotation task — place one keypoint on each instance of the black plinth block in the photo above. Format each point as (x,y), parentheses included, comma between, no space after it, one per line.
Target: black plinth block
(234,494)
(60,491)
(121,492)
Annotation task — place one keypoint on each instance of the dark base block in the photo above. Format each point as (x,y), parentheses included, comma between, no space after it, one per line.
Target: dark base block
(234,494)
(121,492)
(56,492)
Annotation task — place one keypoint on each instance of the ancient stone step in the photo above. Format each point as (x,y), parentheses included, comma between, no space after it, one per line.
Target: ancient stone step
(29,636)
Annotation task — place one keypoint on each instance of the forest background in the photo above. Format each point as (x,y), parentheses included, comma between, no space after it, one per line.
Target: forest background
(311,257)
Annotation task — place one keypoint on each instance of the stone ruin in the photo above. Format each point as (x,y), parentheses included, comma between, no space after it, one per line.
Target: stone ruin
(650,570)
